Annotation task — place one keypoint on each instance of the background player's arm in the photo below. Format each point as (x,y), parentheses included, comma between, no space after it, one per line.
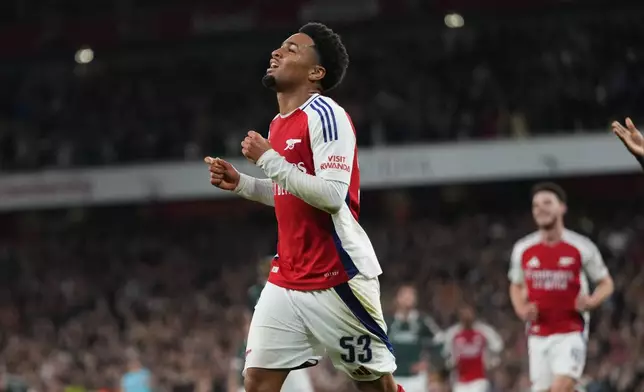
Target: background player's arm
(494,341)
(256,189)
(597,271)
(447,339)
(525,310)
(333,144)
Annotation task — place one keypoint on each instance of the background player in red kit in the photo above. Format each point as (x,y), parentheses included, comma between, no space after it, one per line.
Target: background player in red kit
(549,290)
(322,295)
(470,348)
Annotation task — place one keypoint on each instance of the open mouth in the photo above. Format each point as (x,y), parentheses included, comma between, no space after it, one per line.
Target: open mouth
(272,66)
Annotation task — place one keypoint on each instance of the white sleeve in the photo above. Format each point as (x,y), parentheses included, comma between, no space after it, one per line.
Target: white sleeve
(494,340)
(593,262)
(256,189)
(320,193)
(333,140)
(433,327)
(448,342)
(515,274)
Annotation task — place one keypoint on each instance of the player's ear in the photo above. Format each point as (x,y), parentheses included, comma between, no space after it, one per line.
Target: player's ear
(317,73)
(564,208)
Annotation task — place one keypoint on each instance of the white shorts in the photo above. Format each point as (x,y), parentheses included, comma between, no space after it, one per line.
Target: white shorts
(417,383)
(293,329)
(472,386)
(555,355)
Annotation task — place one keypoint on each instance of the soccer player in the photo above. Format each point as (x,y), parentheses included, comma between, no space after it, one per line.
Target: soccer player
(632,139)
(323,294)
(298,380)
(255,291)
(412,334)
(549,291)
(470,348)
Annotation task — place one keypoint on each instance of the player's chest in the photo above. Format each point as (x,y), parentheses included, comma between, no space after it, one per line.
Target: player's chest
(290,138)
(470,343)
(555,258)
(405,331)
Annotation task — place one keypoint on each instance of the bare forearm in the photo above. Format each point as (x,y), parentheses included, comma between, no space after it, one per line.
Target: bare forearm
(256,189)
(323,194)
(602,292)
(517,296)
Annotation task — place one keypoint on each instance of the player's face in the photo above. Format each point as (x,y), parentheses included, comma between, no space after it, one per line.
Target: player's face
(406,298)
(466,315)
(293,63)
(547,209)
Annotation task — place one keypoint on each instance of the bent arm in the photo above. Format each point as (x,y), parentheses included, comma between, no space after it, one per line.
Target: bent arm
(517,296)
(603,291)
(256,189)
(326,195)
(594,266)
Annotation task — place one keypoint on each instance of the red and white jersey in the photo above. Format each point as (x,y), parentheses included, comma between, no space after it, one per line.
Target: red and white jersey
(317,250)
(554,276)
(469,349)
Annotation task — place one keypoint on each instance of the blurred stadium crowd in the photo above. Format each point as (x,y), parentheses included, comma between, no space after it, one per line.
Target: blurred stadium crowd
(508,76)
(81,287)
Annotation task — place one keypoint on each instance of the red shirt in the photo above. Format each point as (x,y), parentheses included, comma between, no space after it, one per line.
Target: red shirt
(317,250)
(468,349)
(554,276)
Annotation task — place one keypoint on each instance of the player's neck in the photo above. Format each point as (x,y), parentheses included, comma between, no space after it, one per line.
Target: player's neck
(288,101)
(552,235)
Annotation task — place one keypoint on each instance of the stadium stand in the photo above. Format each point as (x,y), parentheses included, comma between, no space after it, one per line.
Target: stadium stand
(81,286)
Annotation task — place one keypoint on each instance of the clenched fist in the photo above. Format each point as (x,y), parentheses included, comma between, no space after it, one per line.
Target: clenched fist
(222,174)
(254,146)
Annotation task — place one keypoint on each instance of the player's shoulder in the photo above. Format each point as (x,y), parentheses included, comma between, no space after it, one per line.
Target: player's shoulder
(482,326)
(527,241)
(577,240)
(321,104)
(324,110)
(452,331)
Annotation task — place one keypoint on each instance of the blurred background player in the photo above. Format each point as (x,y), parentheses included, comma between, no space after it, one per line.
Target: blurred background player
(254,291)
(631,137)
(297,380)
(471,347)
(412,333)
(137,378)
(549,291)
(323,293)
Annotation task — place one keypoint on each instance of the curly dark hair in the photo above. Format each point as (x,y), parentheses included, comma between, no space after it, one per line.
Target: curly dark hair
(331,52)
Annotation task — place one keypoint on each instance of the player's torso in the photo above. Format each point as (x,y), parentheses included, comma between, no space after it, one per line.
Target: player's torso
(307,252)
(469,347)
(554,279)
(408,338)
